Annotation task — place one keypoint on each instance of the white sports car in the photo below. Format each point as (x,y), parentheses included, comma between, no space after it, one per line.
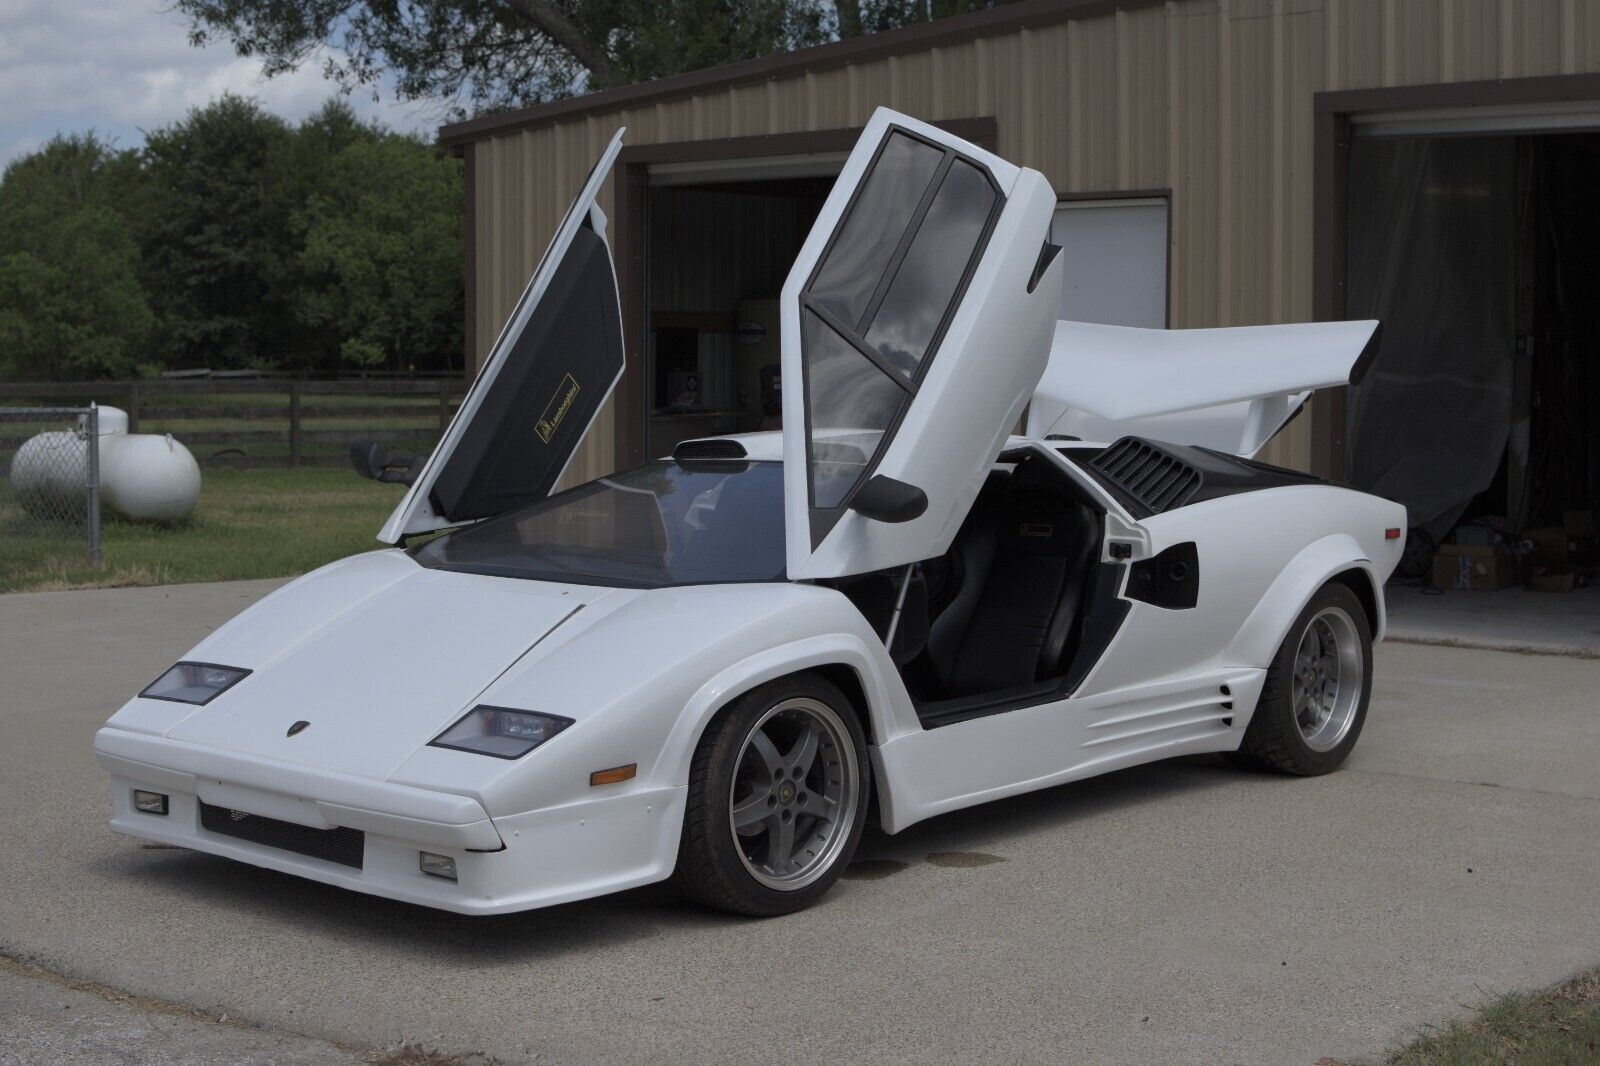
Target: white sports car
(712,667)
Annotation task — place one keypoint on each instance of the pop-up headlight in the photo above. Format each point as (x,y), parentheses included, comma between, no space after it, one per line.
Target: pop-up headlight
(197,683)
(501,732)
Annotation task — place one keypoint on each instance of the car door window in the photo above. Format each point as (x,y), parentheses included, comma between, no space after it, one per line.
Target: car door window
(874,309)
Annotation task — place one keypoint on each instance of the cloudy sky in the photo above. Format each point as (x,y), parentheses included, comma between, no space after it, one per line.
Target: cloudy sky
(122,66)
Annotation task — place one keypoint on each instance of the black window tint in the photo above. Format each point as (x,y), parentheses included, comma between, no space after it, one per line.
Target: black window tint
(852,403)
(938,257)
(872,311)
(655,525)
(867,238)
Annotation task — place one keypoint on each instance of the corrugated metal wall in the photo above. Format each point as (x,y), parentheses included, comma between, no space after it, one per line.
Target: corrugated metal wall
(1210,98)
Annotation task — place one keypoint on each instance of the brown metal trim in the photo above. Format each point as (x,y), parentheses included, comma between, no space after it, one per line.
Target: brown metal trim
(469,242)
(957,29)
(982,132)
(1554,88)
(1331,206)
(629,210)
(1116,194)
(1330,238)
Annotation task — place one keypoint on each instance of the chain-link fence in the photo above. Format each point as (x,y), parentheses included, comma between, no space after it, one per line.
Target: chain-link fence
(50,497)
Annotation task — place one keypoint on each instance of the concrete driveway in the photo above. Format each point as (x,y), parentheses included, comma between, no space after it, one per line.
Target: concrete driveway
(1181,912)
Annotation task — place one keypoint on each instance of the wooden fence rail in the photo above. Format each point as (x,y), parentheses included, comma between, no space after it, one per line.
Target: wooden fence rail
(258,422)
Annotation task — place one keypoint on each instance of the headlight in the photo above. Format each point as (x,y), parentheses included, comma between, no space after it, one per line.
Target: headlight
(503,733)
(197,683)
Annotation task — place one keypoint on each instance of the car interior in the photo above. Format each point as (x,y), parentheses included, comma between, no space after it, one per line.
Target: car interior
(1014,612)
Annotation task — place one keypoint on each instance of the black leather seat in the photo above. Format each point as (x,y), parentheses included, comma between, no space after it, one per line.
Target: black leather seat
(1026,559)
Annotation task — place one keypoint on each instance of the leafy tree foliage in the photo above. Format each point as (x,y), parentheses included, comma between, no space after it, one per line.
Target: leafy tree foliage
(214,234)
(71,304)
(232,240)
(382,255)
(482,55)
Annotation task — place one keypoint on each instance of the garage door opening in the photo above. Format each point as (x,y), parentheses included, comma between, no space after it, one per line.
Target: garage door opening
(1481,254)
(720,245)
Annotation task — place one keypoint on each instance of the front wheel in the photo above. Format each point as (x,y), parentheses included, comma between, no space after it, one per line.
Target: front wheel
(1314,701)
(777,799)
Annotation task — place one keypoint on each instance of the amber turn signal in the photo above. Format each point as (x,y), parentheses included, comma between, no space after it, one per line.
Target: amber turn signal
(614,775)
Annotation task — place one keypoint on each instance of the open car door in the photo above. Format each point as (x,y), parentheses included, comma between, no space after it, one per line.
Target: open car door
(551,370)
(1228,389)
(915,324)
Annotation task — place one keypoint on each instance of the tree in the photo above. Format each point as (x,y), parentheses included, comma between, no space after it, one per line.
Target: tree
(214,235)
(382,256)
(875,16)
(493,54)
(301,168)
(71,305)
(233,240)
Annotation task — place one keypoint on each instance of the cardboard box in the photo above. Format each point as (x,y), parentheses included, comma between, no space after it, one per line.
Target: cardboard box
(1550,545)
(1472,568)
(1475,536)
(1554,582)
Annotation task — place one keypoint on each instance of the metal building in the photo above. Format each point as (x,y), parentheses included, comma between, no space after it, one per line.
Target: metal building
(1203,151)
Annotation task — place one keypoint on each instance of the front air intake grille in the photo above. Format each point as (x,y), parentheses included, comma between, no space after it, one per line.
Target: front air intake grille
(343,846)
(1147,475)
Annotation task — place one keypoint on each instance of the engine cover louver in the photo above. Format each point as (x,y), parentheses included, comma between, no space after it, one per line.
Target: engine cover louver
(1148,475)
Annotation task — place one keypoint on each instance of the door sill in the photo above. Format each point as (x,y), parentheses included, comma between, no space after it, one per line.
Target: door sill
(941,713)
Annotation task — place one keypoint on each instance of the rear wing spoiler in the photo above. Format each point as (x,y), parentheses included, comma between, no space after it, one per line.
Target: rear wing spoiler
(1229,389)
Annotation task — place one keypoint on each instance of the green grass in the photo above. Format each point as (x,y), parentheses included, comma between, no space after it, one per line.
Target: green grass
(269,522)
(1552,1027)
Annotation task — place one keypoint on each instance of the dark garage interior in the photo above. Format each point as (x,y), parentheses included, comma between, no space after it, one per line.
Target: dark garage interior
(1481,254)
(718,255)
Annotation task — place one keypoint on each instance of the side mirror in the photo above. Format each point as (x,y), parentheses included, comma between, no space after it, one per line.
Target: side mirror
(373,463)
(883,499)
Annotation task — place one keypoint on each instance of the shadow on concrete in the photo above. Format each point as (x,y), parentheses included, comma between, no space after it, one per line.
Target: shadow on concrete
(295,906)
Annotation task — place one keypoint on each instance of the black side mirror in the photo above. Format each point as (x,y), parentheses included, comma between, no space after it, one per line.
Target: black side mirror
(373,463)
(883,499)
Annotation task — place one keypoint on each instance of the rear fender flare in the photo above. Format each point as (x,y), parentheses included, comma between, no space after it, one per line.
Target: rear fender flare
(1263,631)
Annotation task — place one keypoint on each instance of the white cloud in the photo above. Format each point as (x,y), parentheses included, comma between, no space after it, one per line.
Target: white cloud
(123,67)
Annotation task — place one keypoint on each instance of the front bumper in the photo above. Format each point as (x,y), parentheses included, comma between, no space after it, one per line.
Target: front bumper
(512,863)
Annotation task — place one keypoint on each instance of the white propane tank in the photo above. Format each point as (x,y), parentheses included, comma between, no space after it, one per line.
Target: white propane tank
(49,474)
(148,476)
(142,475)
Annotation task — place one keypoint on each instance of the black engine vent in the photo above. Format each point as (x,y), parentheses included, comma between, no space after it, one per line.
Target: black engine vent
(1147,475)
(713,450)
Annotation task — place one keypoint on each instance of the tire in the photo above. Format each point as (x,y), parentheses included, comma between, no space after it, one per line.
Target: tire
(800,814)
(1293,731)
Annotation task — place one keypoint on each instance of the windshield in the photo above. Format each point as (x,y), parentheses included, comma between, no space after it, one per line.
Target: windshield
(655,525)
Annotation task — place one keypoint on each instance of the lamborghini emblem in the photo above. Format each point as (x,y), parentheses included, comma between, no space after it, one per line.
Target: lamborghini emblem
(557,408)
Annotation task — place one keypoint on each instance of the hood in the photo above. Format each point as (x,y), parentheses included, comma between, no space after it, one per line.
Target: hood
(378,655)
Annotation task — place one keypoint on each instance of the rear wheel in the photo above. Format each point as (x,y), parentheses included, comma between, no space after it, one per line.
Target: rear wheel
(777,799)
(1314,701)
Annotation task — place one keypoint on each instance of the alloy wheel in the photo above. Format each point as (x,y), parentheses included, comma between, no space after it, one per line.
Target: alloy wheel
(1328,676)
(795,791)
